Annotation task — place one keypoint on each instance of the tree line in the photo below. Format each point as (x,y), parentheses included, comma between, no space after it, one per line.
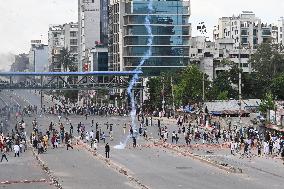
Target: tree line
(186,86)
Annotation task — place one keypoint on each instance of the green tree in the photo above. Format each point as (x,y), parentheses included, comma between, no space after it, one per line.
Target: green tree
(189,88)
(224,84)
(154,86)
(277,87)
(158,87)
(72,95)
(223,95)
(254,86)
(267,61)
(267,104)
(67,60)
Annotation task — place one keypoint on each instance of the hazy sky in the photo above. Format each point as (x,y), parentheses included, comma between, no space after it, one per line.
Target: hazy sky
(23,20)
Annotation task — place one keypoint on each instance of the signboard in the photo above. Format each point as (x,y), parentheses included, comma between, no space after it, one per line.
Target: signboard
(35,41)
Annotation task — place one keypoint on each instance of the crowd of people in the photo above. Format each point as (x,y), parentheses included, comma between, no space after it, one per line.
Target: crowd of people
(14,142)
(89,110)
(53,137)
(245,141)
(189,129)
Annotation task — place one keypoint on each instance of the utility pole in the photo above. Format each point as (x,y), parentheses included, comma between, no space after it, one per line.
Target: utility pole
(163,102)
(173,95)
(240,82)
(41,95)
(203,86)
(34,62)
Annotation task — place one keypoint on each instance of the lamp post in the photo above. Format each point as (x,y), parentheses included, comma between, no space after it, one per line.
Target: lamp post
(240,83)
(163,102)
(34,61)
(173,96)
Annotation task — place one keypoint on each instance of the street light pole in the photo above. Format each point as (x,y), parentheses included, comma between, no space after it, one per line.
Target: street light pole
(203,86)
(240,82)
(163,102)
(173,95)
(34,66)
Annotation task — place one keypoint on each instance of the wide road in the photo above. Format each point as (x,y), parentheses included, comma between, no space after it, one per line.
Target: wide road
(23,172)
(66,165)
(152,166)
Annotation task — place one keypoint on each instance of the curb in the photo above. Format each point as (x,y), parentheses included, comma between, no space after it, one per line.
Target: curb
(217,164)
(54,180)
(23,181)
(112,165)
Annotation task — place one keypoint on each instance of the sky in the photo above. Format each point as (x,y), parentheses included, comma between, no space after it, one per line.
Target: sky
(25,20)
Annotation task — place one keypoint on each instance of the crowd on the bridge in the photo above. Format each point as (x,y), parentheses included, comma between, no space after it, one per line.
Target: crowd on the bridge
(14,142)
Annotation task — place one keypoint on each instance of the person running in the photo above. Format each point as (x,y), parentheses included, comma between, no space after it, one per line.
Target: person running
(134,142)
(4,154)
(107,150)
(69,144)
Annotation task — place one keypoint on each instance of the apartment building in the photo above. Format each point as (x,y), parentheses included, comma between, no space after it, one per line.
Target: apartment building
(93,28)
(59,37)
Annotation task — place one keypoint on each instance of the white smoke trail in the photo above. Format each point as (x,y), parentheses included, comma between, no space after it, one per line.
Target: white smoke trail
(135,78)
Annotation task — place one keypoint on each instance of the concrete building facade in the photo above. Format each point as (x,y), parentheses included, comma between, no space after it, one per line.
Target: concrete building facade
(55,44)
(281,30)
(21,63)
(92,24)
(246,30)
(59,37)
(38,57)
(210,56)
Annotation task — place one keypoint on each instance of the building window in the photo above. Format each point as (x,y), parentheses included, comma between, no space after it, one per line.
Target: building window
(244,32)
(73,41)
(244,40)
(73,34)
(93,1)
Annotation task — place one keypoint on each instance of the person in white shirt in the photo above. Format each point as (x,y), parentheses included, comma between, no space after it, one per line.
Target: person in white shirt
(92,135)
(17,150)
(95,144)
(87,137)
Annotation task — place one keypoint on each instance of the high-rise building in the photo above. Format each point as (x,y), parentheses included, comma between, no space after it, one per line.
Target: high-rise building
(55,44)
(281,30)
(246,30)
(59,37)
(92,22)
(70,32)
(21,63)
(128,36)
(38,57)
